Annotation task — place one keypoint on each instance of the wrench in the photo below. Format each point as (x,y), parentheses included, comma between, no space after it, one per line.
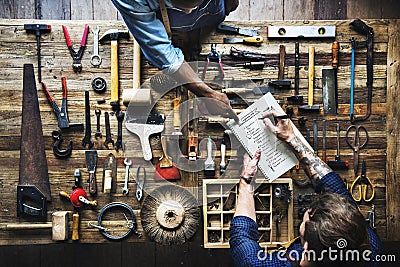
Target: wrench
(98,134)
(108,131)
(120,117)
(87,139)
(125,190)
(95,59)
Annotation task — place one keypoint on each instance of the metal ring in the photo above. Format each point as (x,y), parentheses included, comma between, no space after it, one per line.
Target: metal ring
(132,225)
(99,84)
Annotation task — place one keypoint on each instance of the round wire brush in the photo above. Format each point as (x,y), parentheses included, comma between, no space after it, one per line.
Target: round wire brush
(170,215)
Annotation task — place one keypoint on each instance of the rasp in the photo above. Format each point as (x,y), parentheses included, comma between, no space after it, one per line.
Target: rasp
(33,189)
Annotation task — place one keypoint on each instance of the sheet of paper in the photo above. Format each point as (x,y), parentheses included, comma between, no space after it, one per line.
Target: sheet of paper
(276,156)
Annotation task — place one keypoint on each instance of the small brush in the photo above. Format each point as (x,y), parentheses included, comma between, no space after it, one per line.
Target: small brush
(222,165)
(209,164)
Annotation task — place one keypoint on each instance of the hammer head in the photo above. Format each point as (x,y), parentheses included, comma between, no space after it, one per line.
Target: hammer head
(114,34)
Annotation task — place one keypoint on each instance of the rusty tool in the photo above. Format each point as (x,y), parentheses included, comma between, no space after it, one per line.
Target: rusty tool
(214,55)
(242,31)
(62,114)
(120,118)
(108,130)
(310,106)
(76,56)
(60,153)
(140,181)
(91,163)
(296,99)
(114,35)
(38,30)
(338,163)
(87,139)
(33,190)
(359,26)
(356,138)
(97,134)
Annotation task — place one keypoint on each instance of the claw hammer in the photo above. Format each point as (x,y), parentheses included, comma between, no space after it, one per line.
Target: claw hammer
(114,35)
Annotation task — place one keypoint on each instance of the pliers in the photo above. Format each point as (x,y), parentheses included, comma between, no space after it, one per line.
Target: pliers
(76,56)
(62,115)
(140,182)
(214,55)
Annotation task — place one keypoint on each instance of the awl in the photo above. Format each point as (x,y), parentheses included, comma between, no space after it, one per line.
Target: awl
(33,190)
(242,31)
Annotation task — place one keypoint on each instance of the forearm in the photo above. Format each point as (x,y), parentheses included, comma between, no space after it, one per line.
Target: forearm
(245,202)
(315,168)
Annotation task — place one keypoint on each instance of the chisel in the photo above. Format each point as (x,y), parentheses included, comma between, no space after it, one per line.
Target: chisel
(337,163)
(242,31)
(256,40)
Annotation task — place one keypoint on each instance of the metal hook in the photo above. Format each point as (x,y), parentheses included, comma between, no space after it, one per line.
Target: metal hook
(61,153)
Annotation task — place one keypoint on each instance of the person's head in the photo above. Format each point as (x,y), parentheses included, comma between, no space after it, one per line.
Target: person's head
(186,5)
(333,224)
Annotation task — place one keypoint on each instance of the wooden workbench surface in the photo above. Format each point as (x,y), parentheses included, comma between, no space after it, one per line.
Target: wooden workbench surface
(18,48)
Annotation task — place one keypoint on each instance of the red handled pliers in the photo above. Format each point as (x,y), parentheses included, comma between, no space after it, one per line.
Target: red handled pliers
(76,56)
(214,55)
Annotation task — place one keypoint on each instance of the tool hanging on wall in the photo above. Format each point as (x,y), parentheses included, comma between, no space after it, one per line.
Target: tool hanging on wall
(95,59)
(323,140)
(262,89)
(231,29)
(166,169)
(62,114)
(310,106)
(33,190)
(212,56)
(359,26)
(114,35)
(154,125)
(362,187)
(256,40)
(170,215)
(110,174)
(38,30)
(209,164)
(329,83)
(296,99)
(112,228)
(76,56)
(222,164)
(60,153)
(91,164)
(301,31)
(140,181)
(315,136)
(338,164)
(87,139)
(356,138)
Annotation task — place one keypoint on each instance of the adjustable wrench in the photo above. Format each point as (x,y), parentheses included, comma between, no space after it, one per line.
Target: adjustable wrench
(95,59)
(87,139)
(125,190)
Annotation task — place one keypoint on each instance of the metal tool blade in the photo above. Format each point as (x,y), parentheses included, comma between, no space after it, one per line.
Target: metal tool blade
(243,31)
(329,91)
(33,172)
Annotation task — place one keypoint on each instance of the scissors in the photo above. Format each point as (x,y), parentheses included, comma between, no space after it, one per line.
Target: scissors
(362,185)
(356,133)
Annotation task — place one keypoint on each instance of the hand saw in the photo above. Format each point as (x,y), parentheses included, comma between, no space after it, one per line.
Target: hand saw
(33,190)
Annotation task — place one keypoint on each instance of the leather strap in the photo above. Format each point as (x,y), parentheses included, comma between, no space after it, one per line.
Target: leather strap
(164,15)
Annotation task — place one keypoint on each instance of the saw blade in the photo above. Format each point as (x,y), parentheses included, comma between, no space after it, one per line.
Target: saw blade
(33,163)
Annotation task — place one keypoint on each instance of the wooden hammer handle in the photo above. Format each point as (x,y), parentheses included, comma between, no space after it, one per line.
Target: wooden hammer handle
(75,226)
(335,54)
(311,52)
(114,73)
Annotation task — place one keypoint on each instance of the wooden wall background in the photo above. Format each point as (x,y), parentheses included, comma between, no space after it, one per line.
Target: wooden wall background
(189,254)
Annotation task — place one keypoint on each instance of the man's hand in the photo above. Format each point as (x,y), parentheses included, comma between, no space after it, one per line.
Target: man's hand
(281,127)
(249,168)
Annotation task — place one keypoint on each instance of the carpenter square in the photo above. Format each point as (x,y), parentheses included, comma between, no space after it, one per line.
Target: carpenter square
(33,187)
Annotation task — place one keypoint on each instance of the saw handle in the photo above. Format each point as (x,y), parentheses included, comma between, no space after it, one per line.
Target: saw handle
(75,226)
(311,52)
(114,73)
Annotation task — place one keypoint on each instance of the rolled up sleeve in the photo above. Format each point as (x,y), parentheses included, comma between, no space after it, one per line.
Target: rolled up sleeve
(150,33)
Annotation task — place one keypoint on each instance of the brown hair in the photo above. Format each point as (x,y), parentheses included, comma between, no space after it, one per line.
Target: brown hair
(334,219)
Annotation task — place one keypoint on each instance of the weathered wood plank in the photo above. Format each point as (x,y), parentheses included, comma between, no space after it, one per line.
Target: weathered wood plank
(364,9)
(25,9)
(326,9)
(266,10)
(393,130)
(104,10)
(242,13)
(50,9)
(298,10)
(82,10)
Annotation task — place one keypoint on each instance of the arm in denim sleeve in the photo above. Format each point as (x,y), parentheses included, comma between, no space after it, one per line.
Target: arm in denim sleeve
(245,250)
(150,33)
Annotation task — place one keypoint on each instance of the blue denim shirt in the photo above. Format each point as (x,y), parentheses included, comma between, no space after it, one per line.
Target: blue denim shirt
(246,251)
(143,21)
